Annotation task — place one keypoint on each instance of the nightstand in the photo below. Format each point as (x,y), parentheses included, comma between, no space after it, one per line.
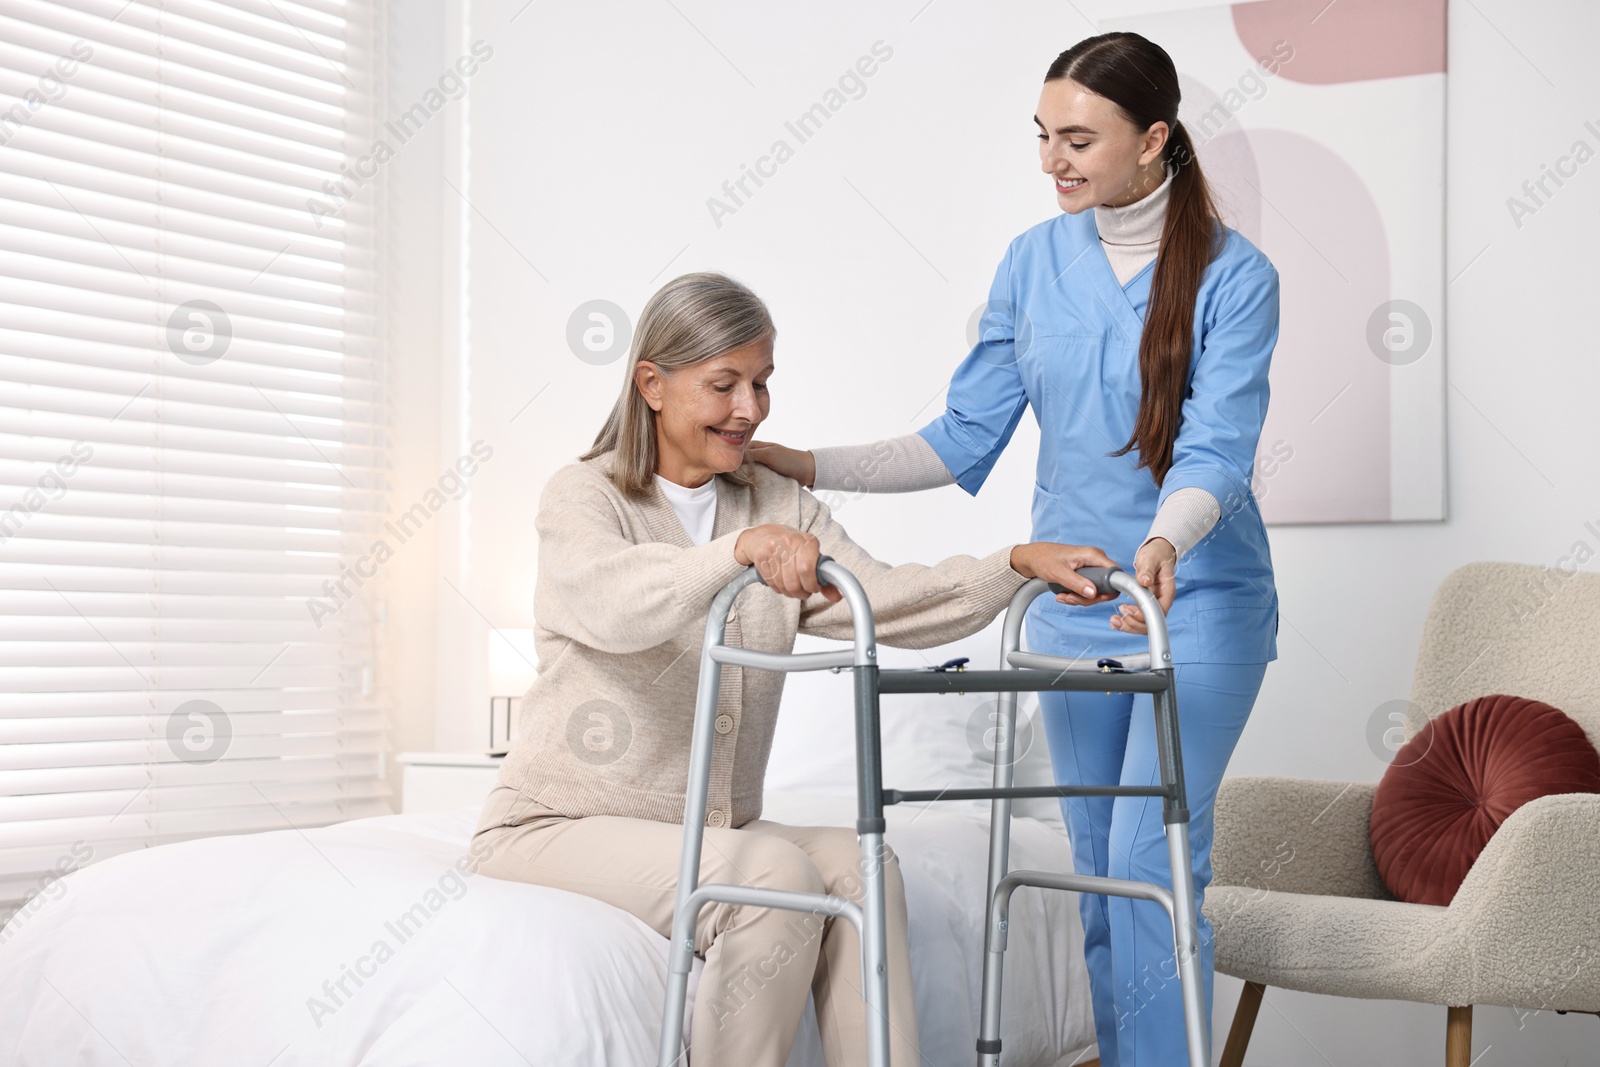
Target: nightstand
(444,781)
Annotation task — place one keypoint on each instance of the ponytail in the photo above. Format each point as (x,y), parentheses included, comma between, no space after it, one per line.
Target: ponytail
(1138,76)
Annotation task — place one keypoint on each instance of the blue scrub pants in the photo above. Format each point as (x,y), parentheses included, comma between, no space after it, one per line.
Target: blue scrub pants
(1109,739)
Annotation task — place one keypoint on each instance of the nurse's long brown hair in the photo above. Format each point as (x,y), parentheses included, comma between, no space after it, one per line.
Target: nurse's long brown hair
(1138,76)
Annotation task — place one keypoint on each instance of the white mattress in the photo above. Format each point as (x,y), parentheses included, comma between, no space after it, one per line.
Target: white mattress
(231,950)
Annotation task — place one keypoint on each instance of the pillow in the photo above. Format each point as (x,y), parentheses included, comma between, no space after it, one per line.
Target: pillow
(1453,784)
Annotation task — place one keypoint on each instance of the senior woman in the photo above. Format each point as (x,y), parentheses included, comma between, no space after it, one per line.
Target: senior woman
(635,539)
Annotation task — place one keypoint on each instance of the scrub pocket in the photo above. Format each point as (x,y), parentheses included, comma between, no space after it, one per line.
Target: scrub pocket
(1046,511)
(1237,633)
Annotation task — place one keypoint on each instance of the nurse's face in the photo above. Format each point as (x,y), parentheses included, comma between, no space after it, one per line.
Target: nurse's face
(707,413)
(1091,150)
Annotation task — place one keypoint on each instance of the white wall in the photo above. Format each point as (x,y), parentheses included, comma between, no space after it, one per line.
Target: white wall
(591,141)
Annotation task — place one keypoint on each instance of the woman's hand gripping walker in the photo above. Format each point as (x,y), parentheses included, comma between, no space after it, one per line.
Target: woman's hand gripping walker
(1150,672)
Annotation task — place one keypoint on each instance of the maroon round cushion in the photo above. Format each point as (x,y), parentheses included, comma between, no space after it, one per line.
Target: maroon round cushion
(1453,784)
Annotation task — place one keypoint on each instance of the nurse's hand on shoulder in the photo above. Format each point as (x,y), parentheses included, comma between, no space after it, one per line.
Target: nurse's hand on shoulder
(786,559)
(789,462)
(1059,564)
(1155,566)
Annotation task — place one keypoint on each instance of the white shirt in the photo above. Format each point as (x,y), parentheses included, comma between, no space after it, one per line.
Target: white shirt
(696,508)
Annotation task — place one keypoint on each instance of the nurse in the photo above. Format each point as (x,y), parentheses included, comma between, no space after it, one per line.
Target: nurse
(1139,329)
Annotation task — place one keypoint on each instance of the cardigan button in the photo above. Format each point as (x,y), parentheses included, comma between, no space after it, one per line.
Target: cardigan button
(724,723)
(716,817)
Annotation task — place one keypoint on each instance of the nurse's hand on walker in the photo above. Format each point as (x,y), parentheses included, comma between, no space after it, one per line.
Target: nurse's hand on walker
(1154,567)
(1059,564)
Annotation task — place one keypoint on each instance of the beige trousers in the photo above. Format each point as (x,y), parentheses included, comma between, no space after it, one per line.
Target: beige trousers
(759,962)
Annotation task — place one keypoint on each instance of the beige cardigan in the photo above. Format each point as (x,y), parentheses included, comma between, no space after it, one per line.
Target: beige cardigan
(620,608)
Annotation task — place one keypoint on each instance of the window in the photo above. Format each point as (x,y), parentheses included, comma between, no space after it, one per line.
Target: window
(191,426)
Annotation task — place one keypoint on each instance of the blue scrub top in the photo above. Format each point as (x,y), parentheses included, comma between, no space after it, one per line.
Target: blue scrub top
(1061,335)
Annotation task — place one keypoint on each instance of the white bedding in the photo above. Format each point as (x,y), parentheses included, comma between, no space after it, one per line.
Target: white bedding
(230,950)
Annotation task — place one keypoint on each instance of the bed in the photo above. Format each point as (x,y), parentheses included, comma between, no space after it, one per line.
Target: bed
(371,943)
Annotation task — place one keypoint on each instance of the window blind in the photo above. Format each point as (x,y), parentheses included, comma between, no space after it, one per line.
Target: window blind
(191,426)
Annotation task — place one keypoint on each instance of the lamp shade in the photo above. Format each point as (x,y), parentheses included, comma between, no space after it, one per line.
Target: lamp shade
(511,662)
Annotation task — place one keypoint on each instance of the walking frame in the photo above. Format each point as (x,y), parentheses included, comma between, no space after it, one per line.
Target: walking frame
(1149,672)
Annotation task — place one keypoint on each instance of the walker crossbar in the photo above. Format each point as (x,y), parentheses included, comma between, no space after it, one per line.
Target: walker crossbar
(1015,680)
(1020,672)
(912,796)
(757,896)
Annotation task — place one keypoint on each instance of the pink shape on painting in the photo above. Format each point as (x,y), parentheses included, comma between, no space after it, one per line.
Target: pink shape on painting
(1346,40)
(1298,200)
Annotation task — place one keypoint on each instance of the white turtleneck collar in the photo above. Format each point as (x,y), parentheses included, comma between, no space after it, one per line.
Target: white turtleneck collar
(1131,234)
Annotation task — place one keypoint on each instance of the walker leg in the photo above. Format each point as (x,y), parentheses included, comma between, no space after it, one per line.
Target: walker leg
(1185,924)
(995,912)
(669,1048)
(875,951)
(994,956)
(870,826)
(670,1051)
(1186,944)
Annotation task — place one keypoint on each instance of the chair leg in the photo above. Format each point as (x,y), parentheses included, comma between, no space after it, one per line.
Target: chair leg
(1458,1037)
(1244,1021)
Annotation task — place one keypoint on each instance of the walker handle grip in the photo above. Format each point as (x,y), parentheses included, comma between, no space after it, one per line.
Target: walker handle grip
(1100,576)
(820,579)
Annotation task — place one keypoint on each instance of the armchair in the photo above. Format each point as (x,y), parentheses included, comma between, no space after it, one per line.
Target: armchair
(1296,900)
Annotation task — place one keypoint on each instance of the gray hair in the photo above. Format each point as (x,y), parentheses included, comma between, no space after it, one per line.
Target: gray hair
(693,318)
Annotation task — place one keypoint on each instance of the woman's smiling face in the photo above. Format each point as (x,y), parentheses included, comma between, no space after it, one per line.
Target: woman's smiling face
(707,413)
(1091,150)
